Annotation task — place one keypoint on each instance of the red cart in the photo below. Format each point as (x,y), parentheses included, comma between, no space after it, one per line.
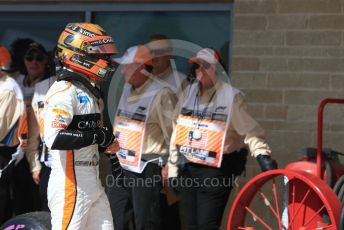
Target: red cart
(306,194)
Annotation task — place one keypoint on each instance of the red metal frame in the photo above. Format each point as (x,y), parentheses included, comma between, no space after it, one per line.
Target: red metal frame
(311,176)
(322,190)
(320,130)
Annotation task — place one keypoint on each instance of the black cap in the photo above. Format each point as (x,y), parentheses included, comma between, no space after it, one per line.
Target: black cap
(36,47)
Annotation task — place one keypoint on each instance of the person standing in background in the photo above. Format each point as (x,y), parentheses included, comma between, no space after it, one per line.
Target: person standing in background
(26,195)
(143,127)
(41,176)
(164,67)
(12,116)
(211,116)
(37,69)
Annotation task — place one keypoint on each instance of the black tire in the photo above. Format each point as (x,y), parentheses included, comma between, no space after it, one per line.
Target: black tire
(341,194)
(339,190)
(31,220)
(341,220)
(329,172)
(338,185)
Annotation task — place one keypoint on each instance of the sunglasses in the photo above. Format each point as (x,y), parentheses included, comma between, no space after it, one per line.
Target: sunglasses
(205,65)
(160,52)
(38,58)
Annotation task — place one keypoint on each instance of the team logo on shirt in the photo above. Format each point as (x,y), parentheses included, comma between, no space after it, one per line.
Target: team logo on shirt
(84,99)
(59,121)
(89,124)
(59,111)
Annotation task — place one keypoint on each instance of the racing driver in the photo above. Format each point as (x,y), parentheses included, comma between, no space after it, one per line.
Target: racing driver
(73,129)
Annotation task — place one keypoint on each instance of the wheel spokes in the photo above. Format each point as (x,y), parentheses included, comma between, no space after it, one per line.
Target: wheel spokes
(314,215)
(299,208)
(292,204)
(268,204)
(258,218)
(274,189)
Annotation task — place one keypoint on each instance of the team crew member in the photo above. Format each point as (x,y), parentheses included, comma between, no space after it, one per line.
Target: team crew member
(27,172)
(212,116)
(36,69)
(41,88)
(143,126)
(164,67)
(37,66)
(73,129)
(11,124)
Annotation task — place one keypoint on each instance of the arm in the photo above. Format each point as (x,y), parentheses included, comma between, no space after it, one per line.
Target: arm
(32,152)
(32,149)
(58,114)
(8,112)
(244,124)
(174,155)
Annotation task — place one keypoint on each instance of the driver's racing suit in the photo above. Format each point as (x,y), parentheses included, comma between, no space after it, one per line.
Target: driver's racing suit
(72,124)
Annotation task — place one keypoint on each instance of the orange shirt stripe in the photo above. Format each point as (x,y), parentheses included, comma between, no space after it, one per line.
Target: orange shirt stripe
(70,190)
(60,91)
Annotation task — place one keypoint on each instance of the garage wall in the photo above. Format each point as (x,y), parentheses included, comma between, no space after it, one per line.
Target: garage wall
(287,56)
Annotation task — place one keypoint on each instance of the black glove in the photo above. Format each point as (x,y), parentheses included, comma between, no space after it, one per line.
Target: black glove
(104,137)
(266,162)
(116,167)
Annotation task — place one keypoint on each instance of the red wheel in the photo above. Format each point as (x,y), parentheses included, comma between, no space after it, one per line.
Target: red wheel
(285,199)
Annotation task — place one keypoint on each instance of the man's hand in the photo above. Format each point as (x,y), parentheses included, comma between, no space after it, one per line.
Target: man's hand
(113,148)
(164,173)
(35,176)
(266,162)
(104,137)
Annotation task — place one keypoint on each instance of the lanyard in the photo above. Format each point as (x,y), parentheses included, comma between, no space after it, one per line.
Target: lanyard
(197,134)
(196,113)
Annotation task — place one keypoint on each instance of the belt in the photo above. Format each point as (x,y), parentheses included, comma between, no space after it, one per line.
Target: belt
(86,163)
(152,156)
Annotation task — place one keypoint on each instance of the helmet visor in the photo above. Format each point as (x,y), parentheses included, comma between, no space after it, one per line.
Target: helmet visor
(103,49)
(105,45)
